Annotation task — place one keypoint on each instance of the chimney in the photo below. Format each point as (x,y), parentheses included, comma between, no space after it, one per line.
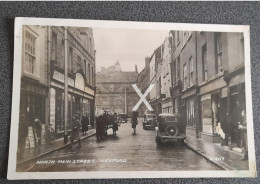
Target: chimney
(136,69)
(147,61)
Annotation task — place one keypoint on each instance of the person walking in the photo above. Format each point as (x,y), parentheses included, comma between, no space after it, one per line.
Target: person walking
(115,124)
(84,123)
(134,121)
(243,128)
(75,131)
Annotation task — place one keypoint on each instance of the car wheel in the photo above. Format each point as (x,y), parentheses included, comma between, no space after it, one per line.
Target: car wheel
(171,130)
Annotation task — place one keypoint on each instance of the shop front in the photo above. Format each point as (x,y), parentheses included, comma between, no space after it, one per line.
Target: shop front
(80,101)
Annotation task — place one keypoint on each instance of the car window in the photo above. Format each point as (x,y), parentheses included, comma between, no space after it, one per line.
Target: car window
(170,118)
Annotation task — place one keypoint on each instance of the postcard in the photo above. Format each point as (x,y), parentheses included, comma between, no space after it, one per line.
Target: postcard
(118,99)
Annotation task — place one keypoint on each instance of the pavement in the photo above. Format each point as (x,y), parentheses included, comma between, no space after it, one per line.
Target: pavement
(124,152)
(224,158)
(44,149)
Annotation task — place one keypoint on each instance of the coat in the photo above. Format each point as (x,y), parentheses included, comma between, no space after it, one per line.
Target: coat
(75,135)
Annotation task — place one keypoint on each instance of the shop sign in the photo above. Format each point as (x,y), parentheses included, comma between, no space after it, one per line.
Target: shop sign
(60,77)
(79,82)
(89,91)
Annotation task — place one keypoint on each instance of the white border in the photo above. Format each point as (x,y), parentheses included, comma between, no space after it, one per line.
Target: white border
(19,22)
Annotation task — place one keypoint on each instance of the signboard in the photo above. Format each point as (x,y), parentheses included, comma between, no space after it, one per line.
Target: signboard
(60,77)
(79,82)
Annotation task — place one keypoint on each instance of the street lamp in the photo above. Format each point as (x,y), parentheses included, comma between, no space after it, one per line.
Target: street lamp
(125,89)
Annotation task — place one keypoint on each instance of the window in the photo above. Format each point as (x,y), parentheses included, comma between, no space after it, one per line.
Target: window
(54,46)
(190,113)
(174,71)
(79,64)
(85,67)
(70,63)
(89,73)
(92,72)
(62,51)
(185,79)
(204,63)
(191,72)
(218,46)
(178,37)
(30,53)
(178,67)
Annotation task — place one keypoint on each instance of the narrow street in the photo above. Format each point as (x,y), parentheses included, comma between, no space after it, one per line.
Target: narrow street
(125,152)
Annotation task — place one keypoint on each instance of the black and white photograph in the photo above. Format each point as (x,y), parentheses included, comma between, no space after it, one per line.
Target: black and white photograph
(114,99)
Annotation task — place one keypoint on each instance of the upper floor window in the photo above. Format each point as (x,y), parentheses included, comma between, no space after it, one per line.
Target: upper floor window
(62,51)
(54,46)
(30,57)
(178,37)
(92,72)
(204,63)
(191,71)
(178,67)
(185,78)
(70,63)
(218,46)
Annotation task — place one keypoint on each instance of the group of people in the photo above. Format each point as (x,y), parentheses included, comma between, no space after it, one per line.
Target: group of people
(103,122)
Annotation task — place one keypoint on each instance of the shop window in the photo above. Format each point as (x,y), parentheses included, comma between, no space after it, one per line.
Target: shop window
(206,114)
(30,58)
(190,113)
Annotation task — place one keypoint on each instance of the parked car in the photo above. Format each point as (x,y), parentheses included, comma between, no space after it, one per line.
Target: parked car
(170,127)
(122,117)
(149,121)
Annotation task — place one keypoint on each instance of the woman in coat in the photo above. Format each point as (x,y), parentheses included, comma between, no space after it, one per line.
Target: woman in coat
(75,131)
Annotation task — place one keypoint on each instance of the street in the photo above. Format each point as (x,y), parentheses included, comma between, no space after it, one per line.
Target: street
(125,152)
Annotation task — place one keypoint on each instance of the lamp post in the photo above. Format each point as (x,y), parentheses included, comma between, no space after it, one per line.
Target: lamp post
(125,89)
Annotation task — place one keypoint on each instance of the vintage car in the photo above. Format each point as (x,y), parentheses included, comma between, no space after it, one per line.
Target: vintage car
(170,127)
(149,121)
(122,117)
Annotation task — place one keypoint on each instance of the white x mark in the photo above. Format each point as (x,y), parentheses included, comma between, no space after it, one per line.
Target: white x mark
(142,97)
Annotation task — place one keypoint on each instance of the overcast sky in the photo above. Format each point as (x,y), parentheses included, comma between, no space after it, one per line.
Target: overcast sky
(129,46)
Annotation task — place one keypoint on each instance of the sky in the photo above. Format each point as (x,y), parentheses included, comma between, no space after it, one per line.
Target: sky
(128,46)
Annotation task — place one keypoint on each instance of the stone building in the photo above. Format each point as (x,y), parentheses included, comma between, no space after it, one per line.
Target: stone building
(208,83)
(42,79)
(155,78)
(114,92)
(81,74)
(143,82)
(34,74)
(166,77)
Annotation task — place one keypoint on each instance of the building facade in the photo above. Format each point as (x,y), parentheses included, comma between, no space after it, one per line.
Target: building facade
(208,84)
(43,75)
(114,92)
(155,78)
(143,82)
(81,74)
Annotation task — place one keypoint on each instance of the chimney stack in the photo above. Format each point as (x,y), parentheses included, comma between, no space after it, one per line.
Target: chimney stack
(136,69)
(147,61)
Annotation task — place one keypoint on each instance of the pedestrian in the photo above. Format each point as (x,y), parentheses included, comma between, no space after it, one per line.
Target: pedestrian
(75,131)
(243,128)
(134,120)
(38,130)
(84,123)
(22,135)
(115,124)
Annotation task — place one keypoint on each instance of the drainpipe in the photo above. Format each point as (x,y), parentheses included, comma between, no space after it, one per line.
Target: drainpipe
(66,87)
